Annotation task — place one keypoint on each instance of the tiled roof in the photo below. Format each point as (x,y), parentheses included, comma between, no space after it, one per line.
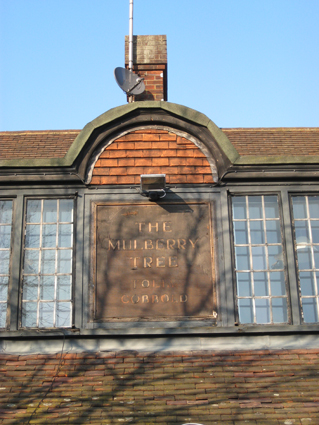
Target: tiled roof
(247,141)
(274,141)
(208,387)
(36,144)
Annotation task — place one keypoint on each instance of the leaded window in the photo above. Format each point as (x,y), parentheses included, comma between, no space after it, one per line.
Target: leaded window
(259,261)
(47,266)
(5,251)
(306,230)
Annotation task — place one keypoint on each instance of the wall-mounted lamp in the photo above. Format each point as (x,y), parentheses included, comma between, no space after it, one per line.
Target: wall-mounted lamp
(153,186)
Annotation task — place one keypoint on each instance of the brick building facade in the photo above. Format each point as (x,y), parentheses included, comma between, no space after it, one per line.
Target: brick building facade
(199,307)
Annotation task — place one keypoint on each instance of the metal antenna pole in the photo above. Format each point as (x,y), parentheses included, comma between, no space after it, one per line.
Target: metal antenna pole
(130,40)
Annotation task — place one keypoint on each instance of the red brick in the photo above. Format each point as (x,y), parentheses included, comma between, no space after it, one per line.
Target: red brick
(203,170)
(126,180)
(142,162)
(154,170)
(208,179)
(108,180)
(176,179)
(143,145)
(178,161)
(183,141)
(151,137)
(126,145)
(159,161)
(126,162)
(168,136)
(186,170)
(151,153)
(194,179)
(185,153)
(129,138)
(103,171)
(134,170)
(108,163)
(118,171)
(159,145)
(110,153)
(198,154)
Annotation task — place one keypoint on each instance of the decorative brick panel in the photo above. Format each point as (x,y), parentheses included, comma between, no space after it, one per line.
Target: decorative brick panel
(152,152)
(209,387)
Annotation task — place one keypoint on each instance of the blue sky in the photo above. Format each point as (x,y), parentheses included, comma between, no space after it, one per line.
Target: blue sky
(243,63)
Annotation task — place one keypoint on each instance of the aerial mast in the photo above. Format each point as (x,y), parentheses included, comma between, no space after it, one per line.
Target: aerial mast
(130,38)
(129,82)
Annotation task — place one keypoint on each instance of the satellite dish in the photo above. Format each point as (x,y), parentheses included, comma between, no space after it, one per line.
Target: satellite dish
(128,81)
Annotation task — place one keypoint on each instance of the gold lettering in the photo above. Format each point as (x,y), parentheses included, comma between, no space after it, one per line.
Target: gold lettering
(135,299)
(181,243)
(193,243)
(165,298)
(167,226)
(124,301)
(183,298)
(134,243)
(140,226)
(145,299)
(148,244)
(172,262)
(150,226)
(154,299)
(126,245)
(148,261)
(170,243)
(160,244)
(174,300)
(134,261)
(156,285)
(117,245)
(146,283)
(160,261)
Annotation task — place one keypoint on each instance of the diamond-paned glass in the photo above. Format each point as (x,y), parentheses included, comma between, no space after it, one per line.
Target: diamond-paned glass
(5,251)
(259,263)
(306,234)
(47,266)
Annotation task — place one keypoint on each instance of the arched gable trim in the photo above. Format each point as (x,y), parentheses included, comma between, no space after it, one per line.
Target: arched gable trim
(193,125)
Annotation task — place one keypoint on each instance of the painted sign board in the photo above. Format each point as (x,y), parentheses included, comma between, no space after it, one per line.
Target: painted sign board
(153,262)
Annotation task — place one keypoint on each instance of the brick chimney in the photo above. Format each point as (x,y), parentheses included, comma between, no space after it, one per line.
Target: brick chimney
(150,62)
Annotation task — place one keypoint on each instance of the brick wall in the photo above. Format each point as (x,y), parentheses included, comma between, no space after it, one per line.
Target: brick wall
(151,152)
(150,63)
(232,388)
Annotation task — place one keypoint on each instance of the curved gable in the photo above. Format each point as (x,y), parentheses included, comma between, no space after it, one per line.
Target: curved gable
(231,153)
(152,151)
(197,131)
